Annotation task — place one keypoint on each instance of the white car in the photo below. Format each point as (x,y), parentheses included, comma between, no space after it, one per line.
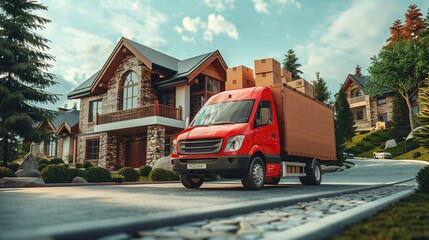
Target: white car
(382,155)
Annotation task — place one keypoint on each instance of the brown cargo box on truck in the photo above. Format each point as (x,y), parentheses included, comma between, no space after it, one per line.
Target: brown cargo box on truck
(306,125)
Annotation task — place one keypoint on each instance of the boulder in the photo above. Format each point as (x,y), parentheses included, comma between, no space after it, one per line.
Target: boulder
(22,182)
(29,162)
(162,163)
(390,144)
(79,180)
(28,173)
(331,169)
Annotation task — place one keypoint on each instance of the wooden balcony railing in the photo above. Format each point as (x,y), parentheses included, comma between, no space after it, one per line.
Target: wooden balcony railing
(356,99)
(155,109)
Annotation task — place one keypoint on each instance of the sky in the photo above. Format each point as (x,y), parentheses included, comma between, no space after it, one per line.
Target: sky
(330,37)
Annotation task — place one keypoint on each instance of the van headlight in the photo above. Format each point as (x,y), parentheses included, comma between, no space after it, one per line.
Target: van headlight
(174,150)
(234,143)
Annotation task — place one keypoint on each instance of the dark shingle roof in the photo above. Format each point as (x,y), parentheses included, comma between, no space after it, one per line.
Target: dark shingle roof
(71,117)
(179,68)
(360,80)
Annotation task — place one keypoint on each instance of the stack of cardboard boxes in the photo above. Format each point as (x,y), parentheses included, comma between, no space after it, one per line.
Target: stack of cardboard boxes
(239,77)
(267,73)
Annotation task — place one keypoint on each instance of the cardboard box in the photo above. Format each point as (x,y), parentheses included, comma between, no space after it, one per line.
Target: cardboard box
(286,75)
(267,79)
(303,86)
(267,65)
(239,77)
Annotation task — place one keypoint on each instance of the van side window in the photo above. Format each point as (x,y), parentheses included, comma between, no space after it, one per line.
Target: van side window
(263,114)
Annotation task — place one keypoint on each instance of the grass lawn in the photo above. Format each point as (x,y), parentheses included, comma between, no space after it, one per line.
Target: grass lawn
(398,150)
(407,219)
(357,139)
(409,155)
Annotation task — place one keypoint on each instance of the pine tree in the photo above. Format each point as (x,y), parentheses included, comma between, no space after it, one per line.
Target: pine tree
(422,134)
(23,72)
(396,32)
(74,106)
(425,32)
(320,89)
(291,64)
(344,123)
(358,71)
(414,24)
(400,121)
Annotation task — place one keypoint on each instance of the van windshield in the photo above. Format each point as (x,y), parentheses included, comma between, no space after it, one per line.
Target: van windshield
(224,113)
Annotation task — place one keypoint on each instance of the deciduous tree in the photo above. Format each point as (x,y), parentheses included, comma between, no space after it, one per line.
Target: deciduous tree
(400,121)
(23,72)
(414,23)
(291,64)
(396,32)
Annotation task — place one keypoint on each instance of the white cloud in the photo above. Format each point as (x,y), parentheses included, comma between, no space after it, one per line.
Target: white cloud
(260,6)
(214,26)
(335,50)
(288,3)
(220,5)
(191,24)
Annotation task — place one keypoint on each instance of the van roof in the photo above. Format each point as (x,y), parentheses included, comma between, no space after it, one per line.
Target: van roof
(237,95)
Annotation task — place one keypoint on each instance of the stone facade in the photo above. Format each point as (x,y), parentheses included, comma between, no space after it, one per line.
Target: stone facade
(380,109)
(155,143)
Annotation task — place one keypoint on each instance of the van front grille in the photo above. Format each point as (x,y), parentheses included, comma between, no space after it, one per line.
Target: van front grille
(200,146)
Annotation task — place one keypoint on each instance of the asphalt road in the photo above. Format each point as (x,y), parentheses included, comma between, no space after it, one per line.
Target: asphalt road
(27,209)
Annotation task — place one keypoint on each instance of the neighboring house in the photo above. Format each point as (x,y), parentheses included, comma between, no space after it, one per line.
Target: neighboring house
(370,112)
(64,127)
(132,108)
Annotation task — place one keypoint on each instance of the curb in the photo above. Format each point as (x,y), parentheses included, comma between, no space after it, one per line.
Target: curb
(133,224)
(91,184)
(334,224)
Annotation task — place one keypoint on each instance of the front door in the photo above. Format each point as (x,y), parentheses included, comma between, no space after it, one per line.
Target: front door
(136,153)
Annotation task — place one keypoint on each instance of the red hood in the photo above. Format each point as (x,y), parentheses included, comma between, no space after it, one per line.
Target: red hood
(212,131)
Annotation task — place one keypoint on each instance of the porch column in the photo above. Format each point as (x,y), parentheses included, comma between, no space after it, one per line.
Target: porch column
(155,143)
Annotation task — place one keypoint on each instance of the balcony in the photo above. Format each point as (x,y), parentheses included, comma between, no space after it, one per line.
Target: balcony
(357,101)
(137,117)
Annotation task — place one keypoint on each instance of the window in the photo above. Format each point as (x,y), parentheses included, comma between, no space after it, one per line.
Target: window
(167,146)
(92,148)
(130,91)
(382,118)
(381,101)
(201,91)
(51,149)
(359,115)
(95,107)
(34,148)
(167,97)
(414,98)
(263,105)
(360,93)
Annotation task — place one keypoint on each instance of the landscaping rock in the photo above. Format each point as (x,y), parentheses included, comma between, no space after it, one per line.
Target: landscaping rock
(29,162)
(162,163)
(28,173)
(22,182)
(331,168)
(390,144)
(79,180)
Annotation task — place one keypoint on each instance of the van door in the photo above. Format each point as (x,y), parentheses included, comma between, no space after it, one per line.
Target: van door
(265,130)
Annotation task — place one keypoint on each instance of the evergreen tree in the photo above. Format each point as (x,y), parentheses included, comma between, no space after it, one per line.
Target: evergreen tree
(344,123)
(396,32)
(425,32)
(321,92)
(358,71)
(23,72)
(400,122)
(291,64)
(414,24)
(74,106)
(422,134)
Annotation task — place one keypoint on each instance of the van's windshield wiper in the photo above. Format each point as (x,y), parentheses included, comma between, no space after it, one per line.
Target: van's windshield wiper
(224,122)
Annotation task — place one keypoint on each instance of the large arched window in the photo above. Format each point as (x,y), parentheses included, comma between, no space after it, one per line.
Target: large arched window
(130,91)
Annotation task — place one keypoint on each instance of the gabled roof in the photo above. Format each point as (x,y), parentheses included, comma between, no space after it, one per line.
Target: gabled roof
(70,117)
(176,71)
(360,81)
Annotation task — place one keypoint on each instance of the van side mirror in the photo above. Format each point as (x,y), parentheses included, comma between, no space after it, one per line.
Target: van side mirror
(265,116)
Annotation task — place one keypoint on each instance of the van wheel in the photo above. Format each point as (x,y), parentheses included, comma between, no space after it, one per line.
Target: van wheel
(191,182)
(314,174)
(255,176)
(273,181)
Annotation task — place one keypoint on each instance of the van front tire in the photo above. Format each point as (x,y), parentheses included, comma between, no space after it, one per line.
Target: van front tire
(255,176)
(191,182)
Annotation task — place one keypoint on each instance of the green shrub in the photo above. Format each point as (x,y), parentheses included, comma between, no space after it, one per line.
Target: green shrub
(145,170)
(87,164)
(55,174)
(56,161)
(14,166)
(416,155)
(98,174)
(160,174)
(423,179)
(43,161)
(383,146)
(74,172)
(6,172)
(118,178)
(41,167)
(130,174)
(364,131)
(78,165)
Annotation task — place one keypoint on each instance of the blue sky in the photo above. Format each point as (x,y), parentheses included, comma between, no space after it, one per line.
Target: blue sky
(328,36)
